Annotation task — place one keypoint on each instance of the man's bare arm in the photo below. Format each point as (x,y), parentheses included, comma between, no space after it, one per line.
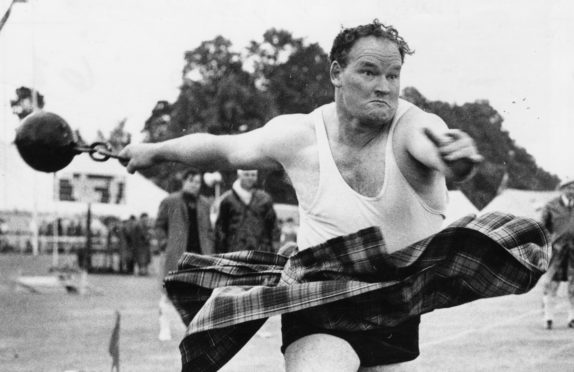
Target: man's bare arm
(251,150)
(449,151)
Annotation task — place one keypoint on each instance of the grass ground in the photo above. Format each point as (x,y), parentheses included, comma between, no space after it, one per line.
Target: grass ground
(63,332)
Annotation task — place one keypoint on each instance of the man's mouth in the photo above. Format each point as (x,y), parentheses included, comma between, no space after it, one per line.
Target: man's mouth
(380,102)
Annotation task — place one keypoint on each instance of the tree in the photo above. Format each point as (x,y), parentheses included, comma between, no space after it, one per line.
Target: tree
(295,74)
(118,137)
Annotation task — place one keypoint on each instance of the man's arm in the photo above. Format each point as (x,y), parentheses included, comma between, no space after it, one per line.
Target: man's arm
(251,150)
(451,152)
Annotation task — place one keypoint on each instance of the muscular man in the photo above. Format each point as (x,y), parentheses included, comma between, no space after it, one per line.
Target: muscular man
(369,158)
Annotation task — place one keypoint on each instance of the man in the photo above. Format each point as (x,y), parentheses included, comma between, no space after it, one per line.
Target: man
(141,241)
(126,246)
(368,159)
(182,225)
(246,218)
(558,218)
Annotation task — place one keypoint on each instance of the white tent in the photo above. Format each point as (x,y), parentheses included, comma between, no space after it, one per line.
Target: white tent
(458,206)
(24,189)
(524,203)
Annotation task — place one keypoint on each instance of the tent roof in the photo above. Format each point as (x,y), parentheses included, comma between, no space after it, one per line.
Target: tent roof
(524,203)
(458,206)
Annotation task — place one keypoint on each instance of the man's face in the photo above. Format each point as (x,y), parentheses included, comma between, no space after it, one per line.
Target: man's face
(568,190)
(192,184)
(247,179)
(370,83)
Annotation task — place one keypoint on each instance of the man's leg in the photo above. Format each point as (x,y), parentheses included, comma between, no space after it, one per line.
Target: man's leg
(321,352)
(549,301)
(164,327)
(571,286)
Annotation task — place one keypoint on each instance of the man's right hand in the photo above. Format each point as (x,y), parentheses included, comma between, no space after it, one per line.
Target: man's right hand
(139,156)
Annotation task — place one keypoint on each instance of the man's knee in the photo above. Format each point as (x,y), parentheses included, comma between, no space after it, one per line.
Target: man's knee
(321,352)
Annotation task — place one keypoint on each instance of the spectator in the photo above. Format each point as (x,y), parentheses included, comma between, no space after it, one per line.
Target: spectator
(126,246)
(182,225)
(246,219)
(288,232)
(141,240)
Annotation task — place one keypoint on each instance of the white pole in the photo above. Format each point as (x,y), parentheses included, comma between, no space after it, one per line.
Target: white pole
(35,239)
(56,233)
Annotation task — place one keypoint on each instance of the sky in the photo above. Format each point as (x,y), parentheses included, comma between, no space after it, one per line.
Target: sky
(98,62)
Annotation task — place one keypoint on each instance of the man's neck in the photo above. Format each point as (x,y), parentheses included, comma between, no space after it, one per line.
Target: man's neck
(350,131)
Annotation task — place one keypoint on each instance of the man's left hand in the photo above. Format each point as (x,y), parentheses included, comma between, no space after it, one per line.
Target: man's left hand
(458,152)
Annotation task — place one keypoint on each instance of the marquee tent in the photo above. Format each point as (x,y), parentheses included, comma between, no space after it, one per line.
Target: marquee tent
(524,203)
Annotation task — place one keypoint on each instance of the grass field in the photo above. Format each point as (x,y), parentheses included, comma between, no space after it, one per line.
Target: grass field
(64,332)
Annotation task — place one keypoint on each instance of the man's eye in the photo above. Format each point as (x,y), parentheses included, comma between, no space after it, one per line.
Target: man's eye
(393,76)
(368,73)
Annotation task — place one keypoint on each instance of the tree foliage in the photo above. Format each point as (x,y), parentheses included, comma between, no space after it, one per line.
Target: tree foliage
(224,91)
(118,138)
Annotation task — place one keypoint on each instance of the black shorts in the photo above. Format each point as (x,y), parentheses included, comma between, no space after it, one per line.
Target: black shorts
(374,347)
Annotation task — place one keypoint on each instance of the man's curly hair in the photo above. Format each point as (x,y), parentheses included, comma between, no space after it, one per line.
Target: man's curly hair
(348,36)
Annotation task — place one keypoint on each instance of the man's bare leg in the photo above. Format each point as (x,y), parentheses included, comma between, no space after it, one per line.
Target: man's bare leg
(322,352)
(319,353)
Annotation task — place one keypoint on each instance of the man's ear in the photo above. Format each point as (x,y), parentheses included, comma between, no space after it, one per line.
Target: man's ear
(335,73)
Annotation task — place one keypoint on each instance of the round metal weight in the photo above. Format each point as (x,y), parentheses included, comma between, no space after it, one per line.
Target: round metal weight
(45,141)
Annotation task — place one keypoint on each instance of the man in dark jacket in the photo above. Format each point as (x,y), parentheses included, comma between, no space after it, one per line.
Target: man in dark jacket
(182,225)
(246,219)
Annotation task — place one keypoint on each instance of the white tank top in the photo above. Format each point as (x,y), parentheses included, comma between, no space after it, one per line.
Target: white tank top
(337,209)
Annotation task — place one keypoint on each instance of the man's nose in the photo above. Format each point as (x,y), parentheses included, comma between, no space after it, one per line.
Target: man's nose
(383,86)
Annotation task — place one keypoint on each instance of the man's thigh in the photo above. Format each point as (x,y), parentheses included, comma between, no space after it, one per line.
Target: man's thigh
(321,352)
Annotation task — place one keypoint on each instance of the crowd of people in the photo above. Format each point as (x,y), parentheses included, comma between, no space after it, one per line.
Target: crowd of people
(133,239)
(245,220)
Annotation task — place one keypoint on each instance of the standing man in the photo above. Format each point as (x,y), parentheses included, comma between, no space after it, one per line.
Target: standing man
(367,159)
(246,219)
(141,241)
(182,225)
(126,247)
(558,219)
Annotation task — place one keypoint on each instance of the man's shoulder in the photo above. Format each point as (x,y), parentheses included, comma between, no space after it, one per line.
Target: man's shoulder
(415,115)
(262,194)
(226,195)
(291,124)
(294,125)
(173,197)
